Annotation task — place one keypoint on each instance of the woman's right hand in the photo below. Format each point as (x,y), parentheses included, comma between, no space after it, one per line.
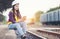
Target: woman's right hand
(20,20)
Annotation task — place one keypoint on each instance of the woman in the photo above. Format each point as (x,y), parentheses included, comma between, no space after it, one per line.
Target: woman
(15,20)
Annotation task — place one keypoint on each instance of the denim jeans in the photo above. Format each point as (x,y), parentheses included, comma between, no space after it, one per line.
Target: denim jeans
(24,26)
(19,28)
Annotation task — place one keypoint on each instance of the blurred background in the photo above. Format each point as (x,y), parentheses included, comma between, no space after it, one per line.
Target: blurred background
(32,9)
(42,17)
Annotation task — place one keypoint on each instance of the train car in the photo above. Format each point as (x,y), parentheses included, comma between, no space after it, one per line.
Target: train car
(59,16)
(51,18)
(43,18)
(56,15)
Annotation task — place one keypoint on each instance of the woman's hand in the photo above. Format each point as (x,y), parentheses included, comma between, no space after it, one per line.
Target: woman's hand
(20,20)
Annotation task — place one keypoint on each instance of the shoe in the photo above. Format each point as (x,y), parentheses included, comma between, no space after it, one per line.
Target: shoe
(23,37)
(15,28)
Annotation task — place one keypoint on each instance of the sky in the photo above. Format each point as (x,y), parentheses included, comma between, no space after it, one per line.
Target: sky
(29,7)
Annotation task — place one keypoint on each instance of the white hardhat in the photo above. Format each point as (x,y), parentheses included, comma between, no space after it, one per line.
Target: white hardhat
(14,2)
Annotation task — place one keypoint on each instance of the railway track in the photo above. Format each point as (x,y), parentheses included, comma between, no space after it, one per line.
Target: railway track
(38,33)
(47,33)
(5,34)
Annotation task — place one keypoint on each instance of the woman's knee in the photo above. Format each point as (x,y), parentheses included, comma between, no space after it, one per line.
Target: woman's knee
(17,24)
(10,26)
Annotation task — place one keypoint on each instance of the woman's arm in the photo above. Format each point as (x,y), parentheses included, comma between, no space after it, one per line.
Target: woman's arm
(11,18)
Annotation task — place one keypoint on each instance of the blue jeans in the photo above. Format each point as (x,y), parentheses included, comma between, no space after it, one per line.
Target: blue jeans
(18,26)
(23,25)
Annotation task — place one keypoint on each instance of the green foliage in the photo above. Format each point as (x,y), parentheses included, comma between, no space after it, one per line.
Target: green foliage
(2,18)
(37,15)
(5,4)
(52,9)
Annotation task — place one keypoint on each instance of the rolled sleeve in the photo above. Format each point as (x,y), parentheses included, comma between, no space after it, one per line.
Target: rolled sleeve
(11,18)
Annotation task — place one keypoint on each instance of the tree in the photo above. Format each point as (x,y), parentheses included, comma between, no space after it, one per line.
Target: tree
(4,4)
(52,9)
(2,18)
(37,15)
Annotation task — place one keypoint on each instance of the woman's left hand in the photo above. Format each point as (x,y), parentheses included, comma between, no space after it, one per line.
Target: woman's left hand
(20,20)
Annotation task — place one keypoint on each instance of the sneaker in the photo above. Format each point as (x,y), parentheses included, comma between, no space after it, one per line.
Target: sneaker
(23,37)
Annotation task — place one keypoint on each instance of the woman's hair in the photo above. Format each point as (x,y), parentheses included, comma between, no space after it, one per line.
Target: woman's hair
(18,13)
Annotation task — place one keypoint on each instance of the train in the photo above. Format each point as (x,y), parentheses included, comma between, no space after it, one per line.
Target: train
(51,18)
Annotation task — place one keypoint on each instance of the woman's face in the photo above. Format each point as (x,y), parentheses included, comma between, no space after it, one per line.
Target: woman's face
(16,7)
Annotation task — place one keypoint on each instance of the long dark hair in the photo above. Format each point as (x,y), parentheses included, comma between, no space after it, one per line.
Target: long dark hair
(18,13)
